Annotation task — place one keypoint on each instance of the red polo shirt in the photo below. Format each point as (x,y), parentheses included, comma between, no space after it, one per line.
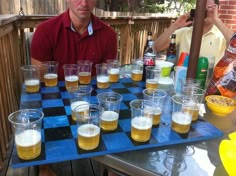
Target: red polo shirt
(55,39)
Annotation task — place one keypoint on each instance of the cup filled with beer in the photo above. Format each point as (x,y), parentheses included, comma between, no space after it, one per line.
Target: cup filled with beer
(88,126)
(158,97)
(141,119)
(196,93)
(114,70)
(50,73)
(85,71)
(137,70)
(79,96)
(110,108)
(71,76)
(27,125)
(102,71)
(152,76)
(31,75)
(182,112)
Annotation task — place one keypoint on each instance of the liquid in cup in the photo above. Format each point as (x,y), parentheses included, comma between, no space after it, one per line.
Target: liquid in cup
(137,70)
(88,127)
(114,70)
(157,96)
(50,73)
(152,76)
(71,76)
(27,131)
(85,68)
(31,75)
(102,75)
(182,113)
(83,111)
(141,120)
(110,107)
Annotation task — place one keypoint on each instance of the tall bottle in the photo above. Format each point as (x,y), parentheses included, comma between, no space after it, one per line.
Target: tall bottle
(149,38)
(171,52)
(149,57)
(223,81)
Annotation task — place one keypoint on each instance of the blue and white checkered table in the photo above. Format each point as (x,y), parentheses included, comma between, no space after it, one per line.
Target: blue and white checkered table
(59,131)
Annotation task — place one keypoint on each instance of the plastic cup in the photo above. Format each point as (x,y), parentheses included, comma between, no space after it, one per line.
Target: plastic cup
(165,68)
(71,76)
(141,119)
(27,125)
(31,75)
(85,70)
(50,74)
(182,111)
(80,96)
(88,126)
(114,70)
(158,98)
(152,76)
(102,75)
(137,70)
(110,107)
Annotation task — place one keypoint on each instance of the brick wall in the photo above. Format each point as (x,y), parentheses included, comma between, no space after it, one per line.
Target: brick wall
(227,12)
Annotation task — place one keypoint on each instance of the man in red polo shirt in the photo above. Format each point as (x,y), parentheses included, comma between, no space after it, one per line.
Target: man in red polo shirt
(74,35)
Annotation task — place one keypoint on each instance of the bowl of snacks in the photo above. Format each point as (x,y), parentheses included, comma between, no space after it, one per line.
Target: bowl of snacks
(220,105)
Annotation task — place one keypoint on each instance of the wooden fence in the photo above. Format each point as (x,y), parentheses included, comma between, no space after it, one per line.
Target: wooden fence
(132,34)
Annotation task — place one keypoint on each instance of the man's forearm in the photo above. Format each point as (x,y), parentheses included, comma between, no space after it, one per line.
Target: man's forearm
(224,30)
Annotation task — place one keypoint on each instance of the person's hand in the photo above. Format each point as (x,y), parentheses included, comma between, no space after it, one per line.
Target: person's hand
(212,13)
(182,21)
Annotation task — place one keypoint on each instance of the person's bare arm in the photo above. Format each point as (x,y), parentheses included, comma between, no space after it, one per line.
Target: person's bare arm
(35,62)
(162,42)
(213,12)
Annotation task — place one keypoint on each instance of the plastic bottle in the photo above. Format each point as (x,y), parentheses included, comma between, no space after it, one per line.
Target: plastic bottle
(171,52)
(149,57)
(202,69)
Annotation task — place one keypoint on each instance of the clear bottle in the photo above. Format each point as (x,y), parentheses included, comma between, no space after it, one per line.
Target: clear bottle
(149,38)
(171,52)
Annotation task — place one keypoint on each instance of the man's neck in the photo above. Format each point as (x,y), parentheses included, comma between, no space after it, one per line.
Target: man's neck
(207,28)
(80,25)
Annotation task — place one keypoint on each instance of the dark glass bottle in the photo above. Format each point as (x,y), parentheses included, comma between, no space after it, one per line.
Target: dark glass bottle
(149,38)
(171,52)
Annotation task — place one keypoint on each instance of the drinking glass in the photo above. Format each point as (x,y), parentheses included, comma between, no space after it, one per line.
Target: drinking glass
(71,76)
(85,69)
(50,73)
(137,70)
(27,125)
(152,76)
(102,75)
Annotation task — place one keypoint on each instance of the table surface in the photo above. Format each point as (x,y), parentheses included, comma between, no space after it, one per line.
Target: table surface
(60,136)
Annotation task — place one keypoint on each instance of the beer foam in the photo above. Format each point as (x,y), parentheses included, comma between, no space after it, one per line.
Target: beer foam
(181,118)
(137,72)
(27,138)
(32,82)
(102,79)
(156,111)
(88,130)
(50,76)
(72,78)
(152,81)
(114,71)
(78,103)
(109,116)
(84,73)
(141,123)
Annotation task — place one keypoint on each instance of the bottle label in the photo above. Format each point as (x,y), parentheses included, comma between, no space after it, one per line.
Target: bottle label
(171,58)
(149,59)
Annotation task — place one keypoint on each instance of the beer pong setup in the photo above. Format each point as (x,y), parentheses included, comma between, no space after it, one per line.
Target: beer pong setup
(83,116)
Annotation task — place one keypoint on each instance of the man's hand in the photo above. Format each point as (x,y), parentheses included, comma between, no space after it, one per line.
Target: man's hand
(182,21)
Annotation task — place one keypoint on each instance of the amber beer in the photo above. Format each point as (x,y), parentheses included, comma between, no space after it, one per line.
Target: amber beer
(141,128)
(32,85)
(194,111)
(71,82)
(83,110)
(136,75)
(84,77)
(181,122)
(102,82)
(114,75)
(88,136)
(109,120)
(156,118)
(151,84)
(50,79)
(28,144)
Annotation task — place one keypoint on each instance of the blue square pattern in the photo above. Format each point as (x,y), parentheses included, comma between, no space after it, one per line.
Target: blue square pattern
(135,89)
(65,95)
(55,121)
(125,125)
(52,103)
(129,97)
(68,110)
(31,97)
(59,149)
(117,141)
(49,89)
(74,131)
